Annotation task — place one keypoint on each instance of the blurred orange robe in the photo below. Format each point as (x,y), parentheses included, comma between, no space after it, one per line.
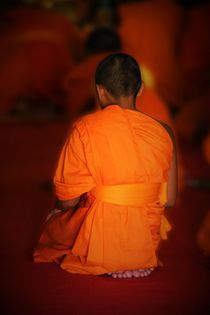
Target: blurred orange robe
(37,50)
(150,103)
(159,23)
(79,84)
(110,147)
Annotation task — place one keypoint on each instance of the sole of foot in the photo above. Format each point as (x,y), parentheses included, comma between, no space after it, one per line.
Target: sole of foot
(138,273)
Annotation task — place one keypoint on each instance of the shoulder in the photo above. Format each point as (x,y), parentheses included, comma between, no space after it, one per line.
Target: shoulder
(89,119)
(161,125)
(81,128)
(168,129)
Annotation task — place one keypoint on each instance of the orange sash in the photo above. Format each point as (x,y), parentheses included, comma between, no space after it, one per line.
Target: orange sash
(137,195)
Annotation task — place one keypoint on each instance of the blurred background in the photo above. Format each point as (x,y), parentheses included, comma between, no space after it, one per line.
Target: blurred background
(49,50)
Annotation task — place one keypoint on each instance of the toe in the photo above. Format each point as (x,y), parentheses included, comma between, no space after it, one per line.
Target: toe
(148,273)
(128,274)
(136,273)
(58,260)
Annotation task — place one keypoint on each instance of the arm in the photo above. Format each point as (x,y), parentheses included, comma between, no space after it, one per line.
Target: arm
(172,181)
(64,205)
(72,177)
(172,173)
(67,204)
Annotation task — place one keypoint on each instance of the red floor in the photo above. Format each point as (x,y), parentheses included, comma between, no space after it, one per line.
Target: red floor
(28,158)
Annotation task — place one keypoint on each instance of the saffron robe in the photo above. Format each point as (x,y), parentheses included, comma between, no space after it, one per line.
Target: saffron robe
(160,23)
(113,146)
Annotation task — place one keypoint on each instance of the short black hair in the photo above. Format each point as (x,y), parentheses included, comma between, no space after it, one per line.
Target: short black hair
(103,39)
(119,74)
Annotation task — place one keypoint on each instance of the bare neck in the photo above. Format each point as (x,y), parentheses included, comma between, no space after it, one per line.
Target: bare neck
(128,102)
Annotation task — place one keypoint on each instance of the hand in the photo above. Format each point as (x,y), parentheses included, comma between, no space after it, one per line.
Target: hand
(53,212)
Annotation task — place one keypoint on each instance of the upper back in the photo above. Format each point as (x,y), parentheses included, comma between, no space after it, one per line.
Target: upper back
(126,146)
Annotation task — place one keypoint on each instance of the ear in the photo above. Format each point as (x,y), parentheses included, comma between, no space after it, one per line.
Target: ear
(141,89)
(102,93)
(100,90)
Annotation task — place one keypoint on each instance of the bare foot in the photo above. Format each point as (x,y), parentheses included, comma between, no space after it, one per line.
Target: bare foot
(138,273)
(58,260)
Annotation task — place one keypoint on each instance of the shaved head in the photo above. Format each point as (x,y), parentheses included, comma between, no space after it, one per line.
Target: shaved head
(119,74)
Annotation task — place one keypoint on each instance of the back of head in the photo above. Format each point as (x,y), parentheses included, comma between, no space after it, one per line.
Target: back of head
(120,75)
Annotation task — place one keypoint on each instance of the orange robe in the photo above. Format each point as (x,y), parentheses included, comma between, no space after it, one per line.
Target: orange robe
(149,31)
(122,151)
(151,104)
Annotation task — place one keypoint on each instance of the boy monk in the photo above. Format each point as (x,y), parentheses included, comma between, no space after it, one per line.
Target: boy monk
(116,173)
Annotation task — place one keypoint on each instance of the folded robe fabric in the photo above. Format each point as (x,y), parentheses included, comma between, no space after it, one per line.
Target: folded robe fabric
(110,147)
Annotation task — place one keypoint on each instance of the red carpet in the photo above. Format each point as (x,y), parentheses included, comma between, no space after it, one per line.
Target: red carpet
(28,156)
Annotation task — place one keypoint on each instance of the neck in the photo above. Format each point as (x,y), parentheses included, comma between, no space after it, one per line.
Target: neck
(128,102)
